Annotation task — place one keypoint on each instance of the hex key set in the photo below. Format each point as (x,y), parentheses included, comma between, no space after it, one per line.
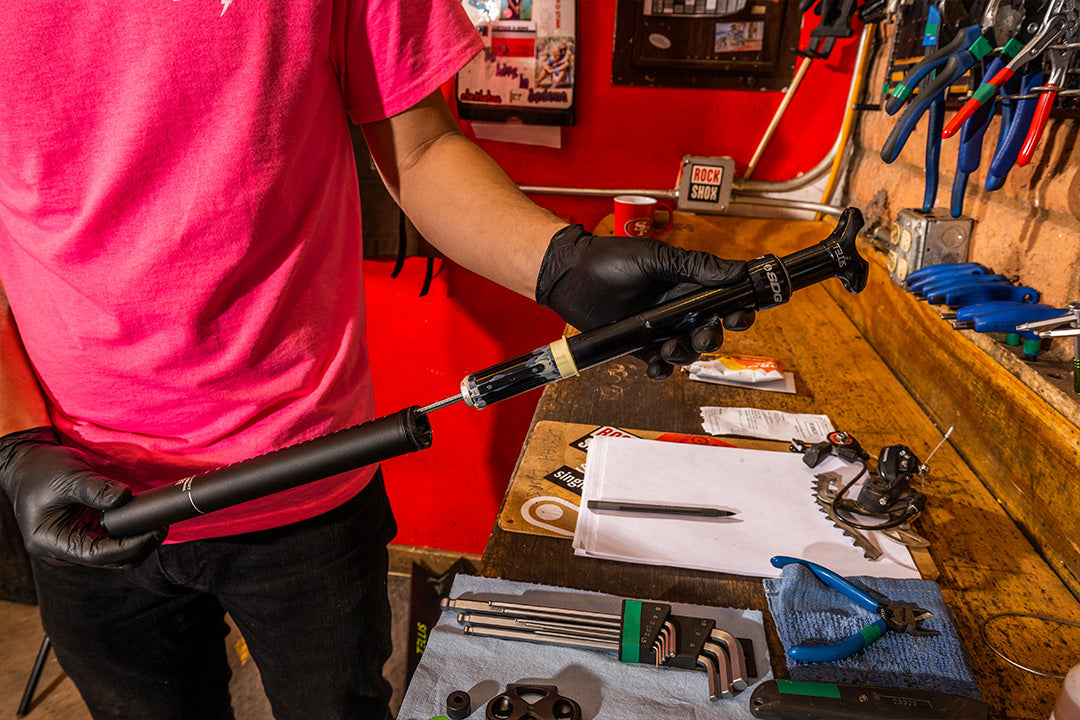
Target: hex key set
(645,632)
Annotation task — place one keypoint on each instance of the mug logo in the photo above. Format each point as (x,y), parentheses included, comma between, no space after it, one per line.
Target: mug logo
(638,227)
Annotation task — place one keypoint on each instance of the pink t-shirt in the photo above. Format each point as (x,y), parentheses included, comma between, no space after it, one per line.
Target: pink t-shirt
(180,222)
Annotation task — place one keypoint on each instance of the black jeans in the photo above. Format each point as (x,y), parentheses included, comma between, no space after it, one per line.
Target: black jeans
(310,600)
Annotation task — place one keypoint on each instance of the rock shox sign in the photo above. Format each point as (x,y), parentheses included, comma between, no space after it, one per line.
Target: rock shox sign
(705,184)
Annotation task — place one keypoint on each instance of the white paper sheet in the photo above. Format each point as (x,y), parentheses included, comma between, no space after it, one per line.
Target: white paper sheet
(765,424)
(516,132)
(772,494)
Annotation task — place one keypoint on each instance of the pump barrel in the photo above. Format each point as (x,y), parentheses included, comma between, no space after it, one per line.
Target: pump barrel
(403,432)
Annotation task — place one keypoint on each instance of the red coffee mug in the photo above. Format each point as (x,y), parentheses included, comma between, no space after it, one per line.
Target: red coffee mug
(635,215)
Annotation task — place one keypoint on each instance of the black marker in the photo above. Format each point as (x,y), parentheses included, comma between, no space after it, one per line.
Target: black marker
(652,509)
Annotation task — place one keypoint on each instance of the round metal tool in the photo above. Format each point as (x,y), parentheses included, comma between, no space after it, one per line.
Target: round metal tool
(458,705)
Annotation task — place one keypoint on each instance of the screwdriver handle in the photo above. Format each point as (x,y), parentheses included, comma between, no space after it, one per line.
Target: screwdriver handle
(941,268)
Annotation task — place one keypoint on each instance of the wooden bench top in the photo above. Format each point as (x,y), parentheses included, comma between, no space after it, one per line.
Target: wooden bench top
(985,563)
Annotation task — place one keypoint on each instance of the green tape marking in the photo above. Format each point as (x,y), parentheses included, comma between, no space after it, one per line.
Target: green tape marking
(984,93)
(871,633)
(813,689)
(901,91)
(980,48)
(1012,47)
(630,642)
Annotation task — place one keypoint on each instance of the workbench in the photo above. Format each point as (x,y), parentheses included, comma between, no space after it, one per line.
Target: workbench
(979,556)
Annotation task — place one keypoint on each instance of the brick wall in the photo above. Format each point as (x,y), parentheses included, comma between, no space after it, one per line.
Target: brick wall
(1029,229)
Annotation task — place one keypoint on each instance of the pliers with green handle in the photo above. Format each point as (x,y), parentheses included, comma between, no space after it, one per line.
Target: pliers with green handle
(897,617)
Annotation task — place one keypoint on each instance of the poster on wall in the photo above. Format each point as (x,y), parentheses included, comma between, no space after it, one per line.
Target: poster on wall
(527,69)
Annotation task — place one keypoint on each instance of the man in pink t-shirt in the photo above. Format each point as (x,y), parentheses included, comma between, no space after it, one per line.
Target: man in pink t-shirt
(180,262)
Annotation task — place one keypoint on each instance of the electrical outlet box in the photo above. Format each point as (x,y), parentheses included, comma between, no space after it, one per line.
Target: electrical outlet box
(705,184)
(920,239)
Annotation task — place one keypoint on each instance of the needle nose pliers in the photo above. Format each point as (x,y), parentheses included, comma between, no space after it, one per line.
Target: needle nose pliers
(897,617)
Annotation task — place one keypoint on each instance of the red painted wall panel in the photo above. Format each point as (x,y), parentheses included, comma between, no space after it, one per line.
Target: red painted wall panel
(448,497)
(635,137)
(421,347)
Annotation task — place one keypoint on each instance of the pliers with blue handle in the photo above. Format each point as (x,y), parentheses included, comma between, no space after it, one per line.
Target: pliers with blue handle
(1016,117)
(904,89)
(969,153)
(1054,23)
(951,62)
(897,617)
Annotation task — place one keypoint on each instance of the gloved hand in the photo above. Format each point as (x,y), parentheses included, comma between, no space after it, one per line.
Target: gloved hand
(58,499)
(591,280)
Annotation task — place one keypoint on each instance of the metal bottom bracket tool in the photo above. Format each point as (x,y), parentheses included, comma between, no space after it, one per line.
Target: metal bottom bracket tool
(532,702)
(644,633)
(458,705)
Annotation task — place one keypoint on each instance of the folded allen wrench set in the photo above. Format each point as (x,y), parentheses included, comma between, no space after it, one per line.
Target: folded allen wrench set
(644,632)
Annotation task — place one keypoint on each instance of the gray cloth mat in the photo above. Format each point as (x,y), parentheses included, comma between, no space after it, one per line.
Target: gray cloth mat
(808,612)
(602,685)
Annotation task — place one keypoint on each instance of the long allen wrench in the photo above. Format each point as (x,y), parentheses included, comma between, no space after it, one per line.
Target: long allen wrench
(721,655)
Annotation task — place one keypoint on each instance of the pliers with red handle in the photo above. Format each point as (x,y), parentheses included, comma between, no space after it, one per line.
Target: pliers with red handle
(1061,59)
(1059,22)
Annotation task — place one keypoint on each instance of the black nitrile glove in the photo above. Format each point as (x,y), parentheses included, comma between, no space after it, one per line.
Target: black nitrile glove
(58,501)
(591,280)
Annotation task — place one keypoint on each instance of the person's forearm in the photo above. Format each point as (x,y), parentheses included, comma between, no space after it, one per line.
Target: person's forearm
(489,226)
(460,200)
(21,404)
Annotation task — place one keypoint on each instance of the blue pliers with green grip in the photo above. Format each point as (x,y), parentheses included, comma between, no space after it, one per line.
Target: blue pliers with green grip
(896,617)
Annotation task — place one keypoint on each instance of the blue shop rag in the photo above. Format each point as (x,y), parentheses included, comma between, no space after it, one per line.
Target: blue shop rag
(604,687)
(808,612)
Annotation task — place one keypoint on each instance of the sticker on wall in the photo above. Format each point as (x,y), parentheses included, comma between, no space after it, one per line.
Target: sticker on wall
(739,37)
(513,39)
(527,69)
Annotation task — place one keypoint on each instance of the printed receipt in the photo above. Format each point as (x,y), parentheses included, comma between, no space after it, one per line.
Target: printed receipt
(765,424)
